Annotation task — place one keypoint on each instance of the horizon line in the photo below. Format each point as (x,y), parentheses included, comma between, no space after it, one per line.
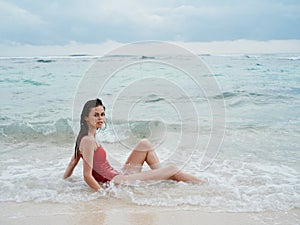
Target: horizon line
(239,46)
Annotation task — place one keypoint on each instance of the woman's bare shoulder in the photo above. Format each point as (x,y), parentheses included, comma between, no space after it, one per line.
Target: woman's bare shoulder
(87,142)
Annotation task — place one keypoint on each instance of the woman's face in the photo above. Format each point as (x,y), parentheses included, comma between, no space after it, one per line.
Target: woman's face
(96,117)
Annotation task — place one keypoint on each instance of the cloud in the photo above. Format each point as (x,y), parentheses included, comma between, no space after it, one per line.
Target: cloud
(18,24)
(95,21)
(15,16)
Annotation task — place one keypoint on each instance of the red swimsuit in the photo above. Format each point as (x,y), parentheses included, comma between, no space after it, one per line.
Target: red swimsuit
(102,171)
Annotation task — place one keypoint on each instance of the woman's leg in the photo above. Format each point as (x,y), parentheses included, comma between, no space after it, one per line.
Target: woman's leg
(150,175)
(143,152)
(188,178)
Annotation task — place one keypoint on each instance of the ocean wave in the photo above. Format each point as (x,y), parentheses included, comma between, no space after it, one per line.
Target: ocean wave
(133,131)
(45,60)
(24,81)
(229,95)
(283,57)
(36,131)
(290,58)
(155,100)
(9,80)
(34,83)
(267,97)
(62,130)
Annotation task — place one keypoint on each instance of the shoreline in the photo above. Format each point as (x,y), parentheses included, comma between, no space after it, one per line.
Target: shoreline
(114,211)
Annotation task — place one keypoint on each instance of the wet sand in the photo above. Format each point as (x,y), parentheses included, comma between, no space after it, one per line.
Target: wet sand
(113,211)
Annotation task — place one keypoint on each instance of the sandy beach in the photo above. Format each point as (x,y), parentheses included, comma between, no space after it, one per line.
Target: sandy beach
(113,211)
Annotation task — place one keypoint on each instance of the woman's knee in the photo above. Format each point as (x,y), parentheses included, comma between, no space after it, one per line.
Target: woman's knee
(173,168)
(144,145)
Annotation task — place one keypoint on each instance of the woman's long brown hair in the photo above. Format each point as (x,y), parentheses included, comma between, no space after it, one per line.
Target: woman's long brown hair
(83,124)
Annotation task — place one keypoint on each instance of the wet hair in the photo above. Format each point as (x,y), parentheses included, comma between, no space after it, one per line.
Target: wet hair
(83,124)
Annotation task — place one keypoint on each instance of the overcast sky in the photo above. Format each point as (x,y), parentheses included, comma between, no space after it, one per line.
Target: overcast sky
(63,22)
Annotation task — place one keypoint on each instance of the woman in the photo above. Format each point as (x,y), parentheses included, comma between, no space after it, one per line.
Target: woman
(97,170)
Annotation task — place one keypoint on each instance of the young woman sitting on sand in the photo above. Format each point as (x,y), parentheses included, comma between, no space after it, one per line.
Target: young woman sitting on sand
(97,170)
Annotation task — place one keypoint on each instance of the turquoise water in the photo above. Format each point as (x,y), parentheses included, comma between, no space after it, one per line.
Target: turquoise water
(256,169)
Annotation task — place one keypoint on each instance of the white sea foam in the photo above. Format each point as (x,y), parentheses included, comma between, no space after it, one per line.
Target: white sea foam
(231,186)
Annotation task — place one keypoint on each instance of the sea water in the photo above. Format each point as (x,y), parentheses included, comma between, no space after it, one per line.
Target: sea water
(256,167)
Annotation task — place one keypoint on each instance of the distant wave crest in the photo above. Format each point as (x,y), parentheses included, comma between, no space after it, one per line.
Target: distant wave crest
(33,132)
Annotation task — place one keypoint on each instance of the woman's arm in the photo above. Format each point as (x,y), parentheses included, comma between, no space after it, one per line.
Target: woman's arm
(73,163)
(87,147)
